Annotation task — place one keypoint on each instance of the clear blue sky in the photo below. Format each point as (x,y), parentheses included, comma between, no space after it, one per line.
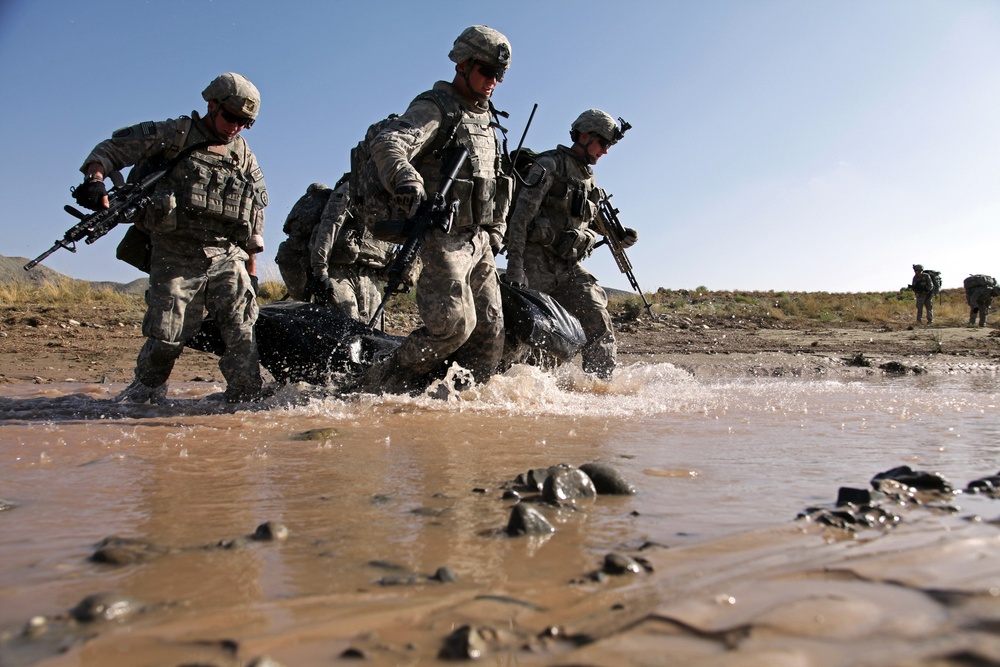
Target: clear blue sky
(777,144)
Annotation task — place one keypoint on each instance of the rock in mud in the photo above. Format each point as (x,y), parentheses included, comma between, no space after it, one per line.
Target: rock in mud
(104,607)
(849,496)
(533,479)
(617,564)
(526,520)
(607,480)
(916,479)
(115,550)
(467,643)
(271,531)
(318,434)
(566,485)
(987,486)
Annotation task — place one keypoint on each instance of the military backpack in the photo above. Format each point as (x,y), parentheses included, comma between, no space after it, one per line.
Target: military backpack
(306,212)
(935,279)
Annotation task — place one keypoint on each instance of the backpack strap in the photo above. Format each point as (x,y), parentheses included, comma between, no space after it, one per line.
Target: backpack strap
(451,115)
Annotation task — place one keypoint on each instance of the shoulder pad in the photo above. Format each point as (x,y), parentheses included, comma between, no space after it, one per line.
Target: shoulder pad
(450,108)
(143,129)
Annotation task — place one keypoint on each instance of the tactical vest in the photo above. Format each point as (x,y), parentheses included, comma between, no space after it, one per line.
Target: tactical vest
(480,186)
(573,197)
(207,198)
(570,204)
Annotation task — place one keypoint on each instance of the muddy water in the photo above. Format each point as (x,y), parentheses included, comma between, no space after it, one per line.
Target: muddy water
(375,491)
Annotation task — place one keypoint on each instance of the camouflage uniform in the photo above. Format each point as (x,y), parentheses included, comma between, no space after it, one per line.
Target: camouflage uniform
(300,226)
(551,231)
(206,215)
(979,292)
(458,295)
(346,260)
(923,289)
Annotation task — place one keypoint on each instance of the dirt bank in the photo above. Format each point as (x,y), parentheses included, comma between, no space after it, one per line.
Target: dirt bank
(85,343)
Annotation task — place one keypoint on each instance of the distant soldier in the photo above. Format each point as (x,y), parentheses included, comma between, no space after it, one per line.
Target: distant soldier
(552,230)
(346,261)
(979,292)
(923,289)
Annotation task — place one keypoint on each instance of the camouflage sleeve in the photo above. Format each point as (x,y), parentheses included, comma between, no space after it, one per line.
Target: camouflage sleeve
(330,223)
(395,147)
(131,145)
(255,243)
(526,208)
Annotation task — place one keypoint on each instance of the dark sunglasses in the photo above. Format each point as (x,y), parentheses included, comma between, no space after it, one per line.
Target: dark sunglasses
(605,144)
(230,117)
(490,72)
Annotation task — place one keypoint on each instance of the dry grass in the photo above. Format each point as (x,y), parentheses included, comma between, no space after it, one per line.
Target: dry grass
(950,307)
(64,292)
(761,308)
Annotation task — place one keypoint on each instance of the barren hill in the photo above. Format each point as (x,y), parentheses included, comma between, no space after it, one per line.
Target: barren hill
(12,271)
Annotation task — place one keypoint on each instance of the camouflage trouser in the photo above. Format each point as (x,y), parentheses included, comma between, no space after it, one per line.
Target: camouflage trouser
(294,271)
(356,290)
(181,290)
(578,292)
(925,299)
(979,303)
(458,297)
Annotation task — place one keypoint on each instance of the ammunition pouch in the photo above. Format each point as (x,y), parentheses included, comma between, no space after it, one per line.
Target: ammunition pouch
(135,248)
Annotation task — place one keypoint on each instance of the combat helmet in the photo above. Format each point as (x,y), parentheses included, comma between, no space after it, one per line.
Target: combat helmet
(918,267)
(483,44)
(597,122)
(235,92)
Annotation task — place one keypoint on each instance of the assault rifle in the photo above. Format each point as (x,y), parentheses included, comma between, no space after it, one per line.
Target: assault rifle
(125,202)
(613,231)
(433,212)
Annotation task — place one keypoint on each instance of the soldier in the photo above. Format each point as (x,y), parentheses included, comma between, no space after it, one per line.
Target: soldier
(979,292)
(923,289)
(347,261)
(457,293)
(206,224)
(300,225)
(552,231)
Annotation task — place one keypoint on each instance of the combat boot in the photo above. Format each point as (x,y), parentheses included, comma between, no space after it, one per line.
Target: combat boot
(385,377)
(250,394)
(139,393)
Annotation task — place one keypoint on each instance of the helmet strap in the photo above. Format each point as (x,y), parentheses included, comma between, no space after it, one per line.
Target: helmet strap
(210,121)
(466,71)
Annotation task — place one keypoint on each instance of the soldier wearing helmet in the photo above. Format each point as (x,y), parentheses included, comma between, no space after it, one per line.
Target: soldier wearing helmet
(457,293)
(552,230)
(204,228)
(923,290)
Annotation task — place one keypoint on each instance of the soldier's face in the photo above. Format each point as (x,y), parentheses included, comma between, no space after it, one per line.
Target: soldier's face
(483,79)
(596,146)
(227,123)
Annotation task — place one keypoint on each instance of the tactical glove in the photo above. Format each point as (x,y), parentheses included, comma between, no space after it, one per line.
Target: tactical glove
(575,244)
(407,199)
(254,283)
(90,194)
(515,276)
(631,236)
